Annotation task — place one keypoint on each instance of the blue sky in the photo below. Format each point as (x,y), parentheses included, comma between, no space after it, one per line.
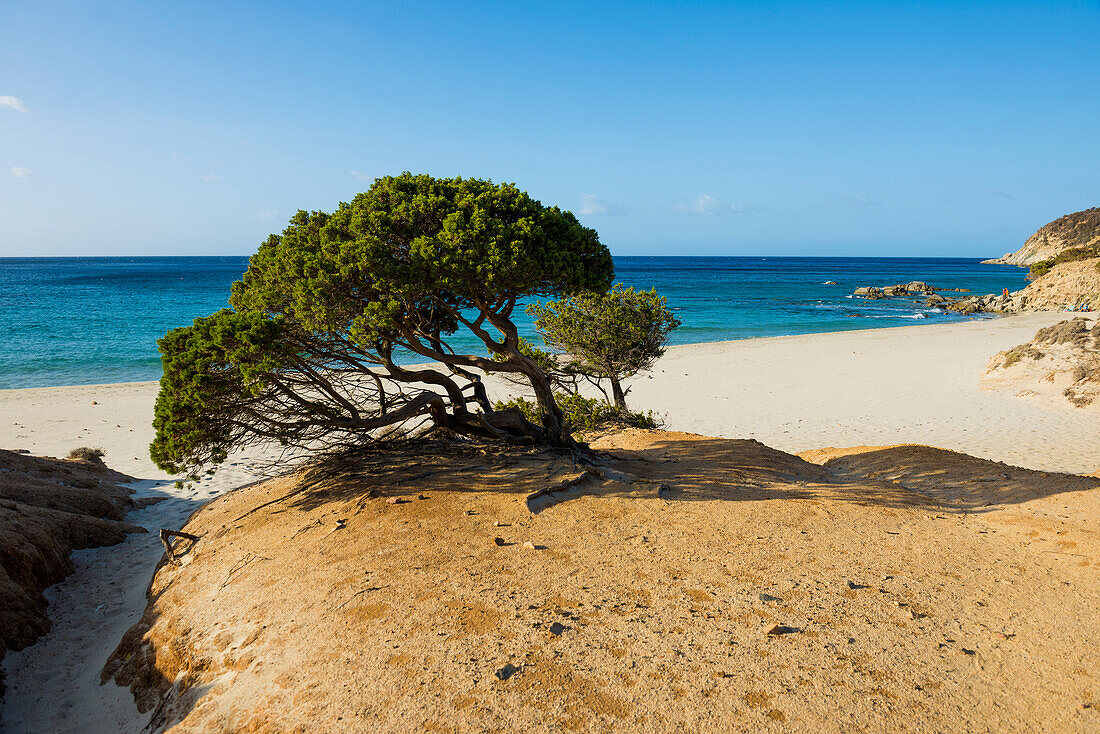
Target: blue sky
(672,128)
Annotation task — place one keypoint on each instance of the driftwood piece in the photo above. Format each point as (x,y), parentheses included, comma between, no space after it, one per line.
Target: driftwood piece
(166,536)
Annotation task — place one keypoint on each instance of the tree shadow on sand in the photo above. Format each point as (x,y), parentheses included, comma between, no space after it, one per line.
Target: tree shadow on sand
(677,468)
(898,476)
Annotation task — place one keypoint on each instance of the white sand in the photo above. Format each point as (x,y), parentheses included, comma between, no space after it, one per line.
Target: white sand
(884,386)
(912,385)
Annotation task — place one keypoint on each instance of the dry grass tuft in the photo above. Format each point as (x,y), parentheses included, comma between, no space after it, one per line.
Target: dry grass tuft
(86,453)
(1075,331)
(1016,354)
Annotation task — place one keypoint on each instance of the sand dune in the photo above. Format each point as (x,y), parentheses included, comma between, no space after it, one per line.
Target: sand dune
(900,589)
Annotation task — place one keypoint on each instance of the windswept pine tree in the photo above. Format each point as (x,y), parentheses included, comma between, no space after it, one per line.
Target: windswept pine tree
(314,351)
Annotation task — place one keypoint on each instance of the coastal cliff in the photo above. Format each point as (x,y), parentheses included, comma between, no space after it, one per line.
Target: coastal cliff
(1080,229)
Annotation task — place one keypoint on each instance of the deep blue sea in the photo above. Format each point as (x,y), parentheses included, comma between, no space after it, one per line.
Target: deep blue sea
(71,321)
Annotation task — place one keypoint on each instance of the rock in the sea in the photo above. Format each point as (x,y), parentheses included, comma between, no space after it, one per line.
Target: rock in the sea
(918,286)
(869,292)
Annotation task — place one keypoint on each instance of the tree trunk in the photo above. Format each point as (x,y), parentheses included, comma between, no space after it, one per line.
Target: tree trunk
(617,393)
(553,421)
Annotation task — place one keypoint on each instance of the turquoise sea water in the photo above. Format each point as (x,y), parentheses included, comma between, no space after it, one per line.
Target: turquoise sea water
(72,321)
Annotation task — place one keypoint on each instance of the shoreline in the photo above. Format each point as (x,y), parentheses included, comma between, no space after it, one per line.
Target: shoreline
(670,348)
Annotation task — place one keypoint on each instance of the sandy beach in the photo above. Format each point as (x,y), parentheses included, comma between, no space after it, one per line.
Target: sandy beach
(881,386)
(876,387)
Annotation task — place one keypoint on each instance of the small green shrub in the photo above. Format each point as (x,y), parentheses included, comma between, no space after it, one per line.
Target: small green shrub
(1071,254)
(86,453)
(607,336)
(587,414)
(584,414)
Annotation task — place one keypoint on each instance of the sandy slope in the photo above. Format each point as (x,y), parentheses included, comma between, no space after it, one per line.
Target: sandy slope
(915,590)
(795,393)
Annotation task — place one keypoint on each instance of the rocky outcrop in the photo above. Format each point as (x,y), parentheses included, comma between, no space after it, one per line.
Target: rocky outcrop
(1072,285)
(869,292)
(990,303)
(964,305)
(917,287)
(1080,229)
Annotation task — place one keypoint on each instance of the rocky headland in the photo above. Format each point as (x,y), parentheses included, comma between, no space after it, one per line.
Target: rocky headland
(1064,262)
(1080,229)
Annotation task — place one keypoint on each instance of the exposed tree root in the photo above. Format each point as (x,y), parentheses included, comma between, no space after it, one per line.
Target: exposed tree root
(170,550)
(562,486)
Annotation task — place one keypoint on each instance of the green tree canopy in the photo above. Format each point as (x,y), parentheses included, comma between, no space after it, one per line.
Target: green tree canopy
(310,353)
(607,335)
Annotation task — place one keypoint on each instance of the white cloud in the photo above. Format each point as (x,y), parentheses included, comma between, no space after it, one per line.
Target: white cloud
(20,172)
(998,193)
(14,103)
(867,201)
(359,175)
(212,178)
(593,205)
(707,204)
(268,214)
